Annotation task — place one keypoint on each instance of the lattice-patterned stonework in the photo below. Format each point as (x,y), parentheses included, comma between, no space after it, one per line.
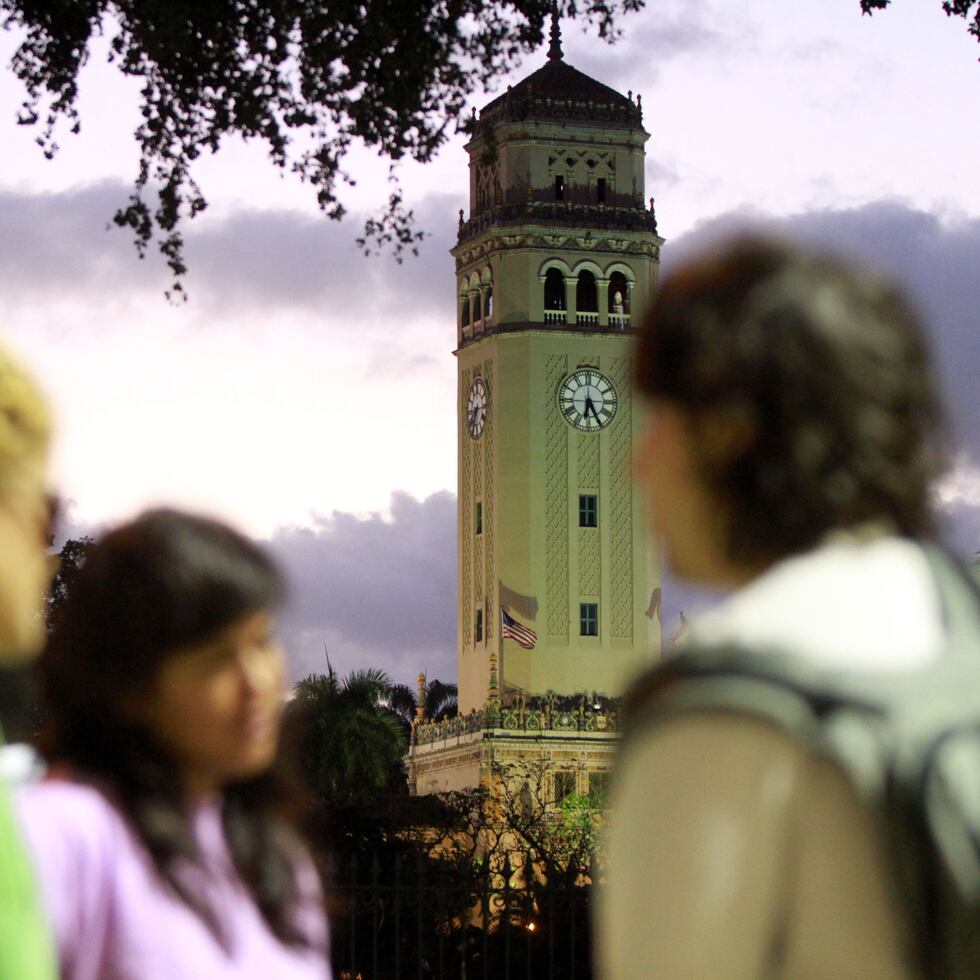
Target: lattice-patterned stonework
(587,461)
(621,505)
(587,480)
(465,504)
(477,446)
(588,562)
(478,590)
(556,501)
(490,613)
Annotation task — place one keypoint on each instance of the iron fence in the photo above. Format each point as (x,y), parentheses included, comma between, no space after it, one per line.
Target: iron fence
(412,918)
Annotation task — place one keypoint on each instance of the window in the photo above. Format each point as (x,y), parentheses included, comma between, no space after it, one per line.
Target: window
(586,293)
(478,627)
(619,294)
(600,190)
(478,517)
(598,787)
(588,618)
(564,786)
(559,188)
(554,290)
(588,510)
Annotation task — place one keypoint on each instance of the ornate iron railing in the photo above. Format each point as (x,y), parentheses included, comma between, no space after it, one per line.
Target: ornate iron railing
(548,713)
(414,920)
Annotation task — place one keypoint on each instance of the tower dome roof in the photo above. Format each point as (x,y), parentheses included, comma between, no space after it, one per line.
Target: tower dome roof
(559,91)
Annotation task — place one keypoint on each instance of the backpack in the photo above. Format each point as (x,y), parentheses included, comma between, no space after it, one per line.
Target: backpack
(909,742)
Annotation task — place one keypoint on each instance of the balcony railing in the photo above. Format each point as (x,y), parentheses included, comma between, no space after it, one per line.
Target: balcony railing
(477,328)
(533,713)
(593,216)
(619,321)
(587,319)
(555,316)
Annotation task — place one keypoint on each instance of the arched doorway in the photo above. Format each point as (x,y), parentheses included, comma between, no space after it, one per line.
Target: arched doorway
(554,296)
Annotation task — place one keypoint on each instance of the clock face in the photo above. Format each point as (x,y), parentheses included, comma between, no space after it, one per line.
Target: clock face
(587,399)
(476,408)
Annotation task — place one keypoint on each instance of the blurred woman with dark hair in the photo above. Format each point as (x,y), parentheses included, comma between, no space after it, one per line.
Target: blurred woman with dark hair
(160,835)
(792,441)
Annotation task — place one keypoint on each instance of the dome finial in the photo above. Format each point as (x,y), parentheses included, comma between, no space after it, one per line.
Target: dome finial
(555,52)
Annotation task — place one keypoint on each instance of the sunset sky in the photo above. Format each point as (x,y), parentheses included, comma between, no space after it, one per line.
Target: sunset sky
(308,393)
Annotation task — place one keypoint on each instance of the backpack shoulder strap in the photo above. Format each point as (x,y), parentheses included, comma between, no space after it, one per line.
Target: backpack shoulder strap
(771,686)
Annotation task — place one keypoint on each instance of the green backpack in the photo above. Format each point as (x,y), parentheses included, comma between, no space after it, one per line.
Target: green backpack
(908,740)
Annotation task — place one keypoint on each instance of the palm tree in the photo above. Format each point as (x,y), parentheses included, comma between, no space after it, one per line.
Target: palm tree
(440,701)
(350,743)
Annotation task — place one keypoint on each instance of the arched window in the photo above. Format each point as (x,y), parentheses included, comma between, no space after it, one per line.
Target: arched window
(554,290)
(464,301)
(586,293)
(619,300)
(488,312)
(477,307)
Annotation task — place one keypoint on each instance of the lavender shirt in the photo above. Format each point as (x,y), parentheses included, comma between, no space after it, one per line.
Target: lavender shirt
(114,919)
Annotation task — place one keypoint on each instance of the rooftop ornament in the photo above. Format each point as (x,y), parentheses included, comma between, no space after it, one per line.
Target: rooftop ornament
(554,51)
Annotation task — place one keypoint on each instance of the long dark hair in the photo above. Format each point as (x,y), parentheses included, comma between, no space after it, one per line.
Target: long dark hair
(827,366)
(163,582)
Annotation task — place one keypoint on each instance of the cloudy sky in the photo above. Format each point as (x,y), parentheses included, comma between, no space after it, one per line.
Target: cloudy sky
(307,393)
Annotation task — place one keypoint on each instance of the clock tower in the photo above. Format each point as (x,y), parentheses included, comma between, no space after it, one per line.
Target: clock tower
(554,263)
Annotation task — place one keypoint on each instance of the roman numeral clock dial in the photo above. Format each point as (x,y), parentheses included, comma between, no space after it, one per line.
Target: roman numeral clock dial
(476,408)
(587,399)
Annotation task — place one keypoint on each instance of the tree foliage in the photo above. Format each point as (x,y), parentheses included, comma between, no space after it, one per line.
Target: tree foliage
(309,79)
(69,561)
(560,836)
(350,745)
(518,816)
(969,10)
(441,701)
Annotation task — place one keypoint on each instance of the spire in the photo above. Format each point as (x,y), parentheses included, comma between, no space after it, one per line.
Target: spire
(555,52)
(420,701)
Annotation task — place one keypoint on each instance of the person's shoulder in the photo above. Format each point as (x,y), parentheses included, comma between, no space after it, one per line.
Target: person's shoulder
(62,790)
(69,809)
(677,774)
(699,733)
(859,600)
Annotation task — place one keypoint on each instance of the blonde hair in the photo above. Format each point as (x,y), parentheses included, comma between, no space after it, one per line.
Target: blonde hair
(25,423)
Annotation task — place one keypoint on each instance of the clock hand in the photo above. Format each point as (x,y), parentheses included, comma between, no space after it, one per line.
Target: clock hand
(590,406)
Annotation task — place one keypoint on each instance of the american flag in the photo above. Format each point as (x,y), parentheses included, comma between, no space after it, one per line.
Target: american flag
(522,635)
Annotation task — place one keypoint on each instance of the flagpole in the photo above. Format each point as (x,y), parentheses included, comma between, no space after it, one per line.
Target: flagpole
(500,644)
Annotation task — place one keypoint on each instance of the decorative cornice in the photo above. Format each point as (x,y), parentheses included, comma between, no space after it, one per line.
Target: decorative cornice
(491,329)
(478,251)
(562,214)
(527,105)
